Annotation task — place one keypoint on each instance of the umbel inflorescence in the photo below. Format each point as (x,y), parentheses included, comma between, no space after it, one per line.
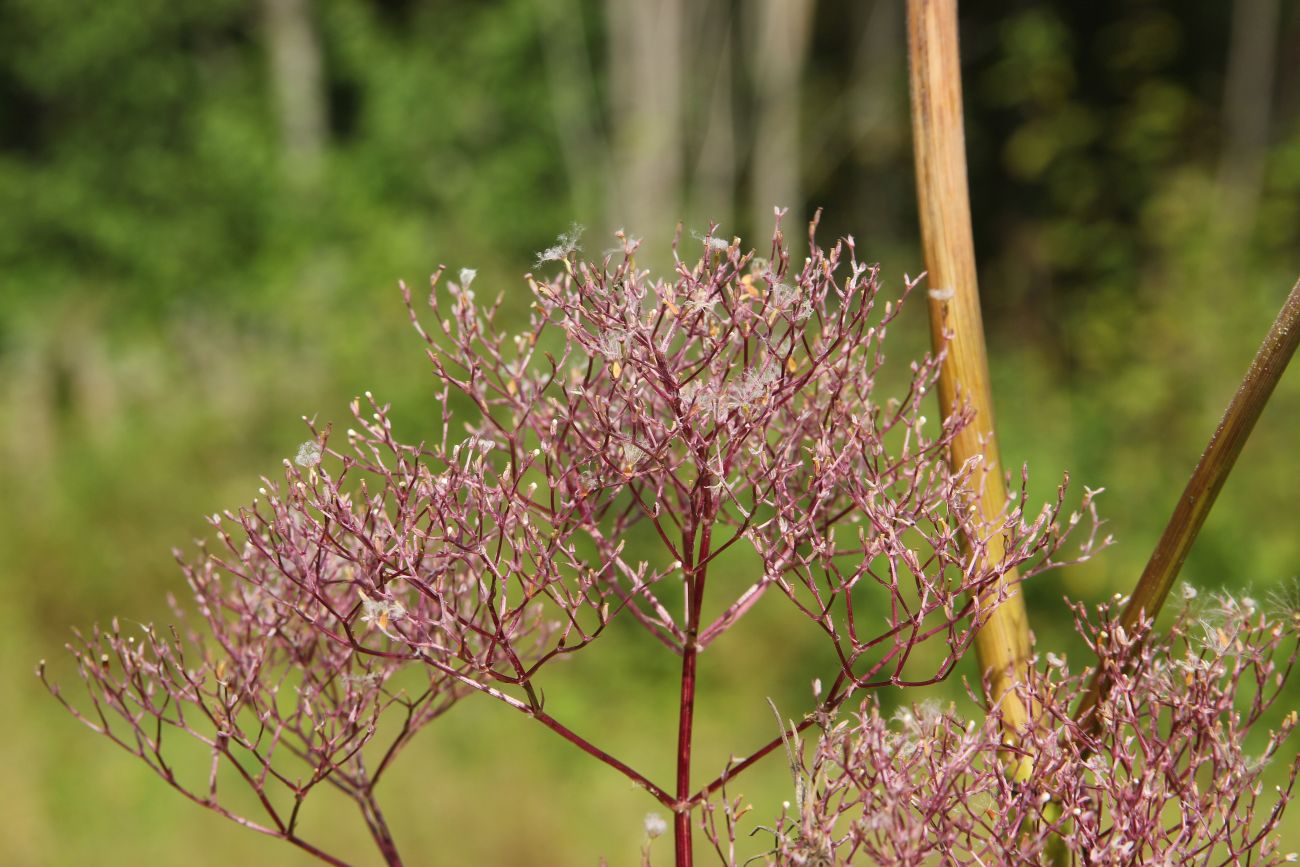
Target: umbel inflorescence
(1163,775)
(733,403)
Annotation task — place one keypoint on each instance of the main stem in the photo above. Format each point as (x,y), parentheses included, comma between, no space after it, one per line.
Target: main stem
(956,326)
(695,577)
(379,830)
(685,723)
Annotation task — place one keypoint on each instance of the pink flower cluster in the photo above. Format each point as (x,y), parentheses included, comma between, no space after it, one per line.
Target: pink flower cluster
(734,403)
(1170,772)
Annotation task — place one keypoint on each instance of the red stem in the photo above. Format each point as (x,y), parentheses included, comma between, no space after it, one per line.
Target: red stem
(695,577)
(383,837)
(596,752)
(313,851)
(685,723)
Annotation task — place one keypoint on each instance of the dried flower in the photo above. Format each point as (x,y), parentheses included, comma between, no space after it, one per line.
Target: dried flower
(1166,778)
(309,455)
(655,825)
(565,246)
(735,404)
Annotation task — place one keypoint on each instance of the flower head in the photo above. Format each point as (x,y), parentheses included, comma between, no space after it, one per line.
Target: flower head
(309,454)
(655,825)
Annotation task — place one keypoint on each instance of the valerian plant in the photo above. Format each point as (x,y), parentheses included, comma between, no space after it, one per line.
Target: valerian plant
(379,583)
(1163,776)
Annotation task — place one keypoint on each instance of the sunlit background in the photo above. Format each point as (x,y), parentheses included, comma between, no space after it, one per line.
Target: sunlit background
(205,206)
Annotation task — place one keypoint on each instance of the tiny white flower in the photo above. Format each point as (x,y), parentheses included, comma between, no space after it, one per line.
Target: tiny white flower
(308,454)
(564,245)
(467,276)
(713,243)
(655,825)
(632,455)
(381,612)
(482,445)
(1189,592)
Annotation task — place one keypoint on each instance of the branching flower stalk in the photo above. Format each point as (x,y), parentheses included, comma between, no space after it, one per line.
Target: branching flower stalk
(379,583)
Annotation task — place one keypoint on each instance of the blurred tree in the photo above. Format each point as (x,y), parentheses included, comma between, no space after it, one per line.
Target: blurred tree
(298,80)
(1247,109)
(779,50)
(711,115)
(646,60)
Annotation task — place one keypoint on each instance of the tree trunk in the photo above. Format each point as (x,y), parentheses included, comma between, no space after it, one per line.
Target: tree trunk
(782,32)
(645,85)
(293,46)
(713,129)
(575,105)
(1247,110)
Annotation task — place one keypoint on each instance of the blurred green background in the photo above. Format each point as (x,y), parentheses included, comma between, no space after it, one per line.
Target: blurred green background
(206,205)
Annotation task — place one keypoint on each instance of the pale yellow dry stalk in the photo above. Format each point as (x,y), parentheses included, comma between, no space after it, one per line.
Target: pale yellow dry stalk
(955,323)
